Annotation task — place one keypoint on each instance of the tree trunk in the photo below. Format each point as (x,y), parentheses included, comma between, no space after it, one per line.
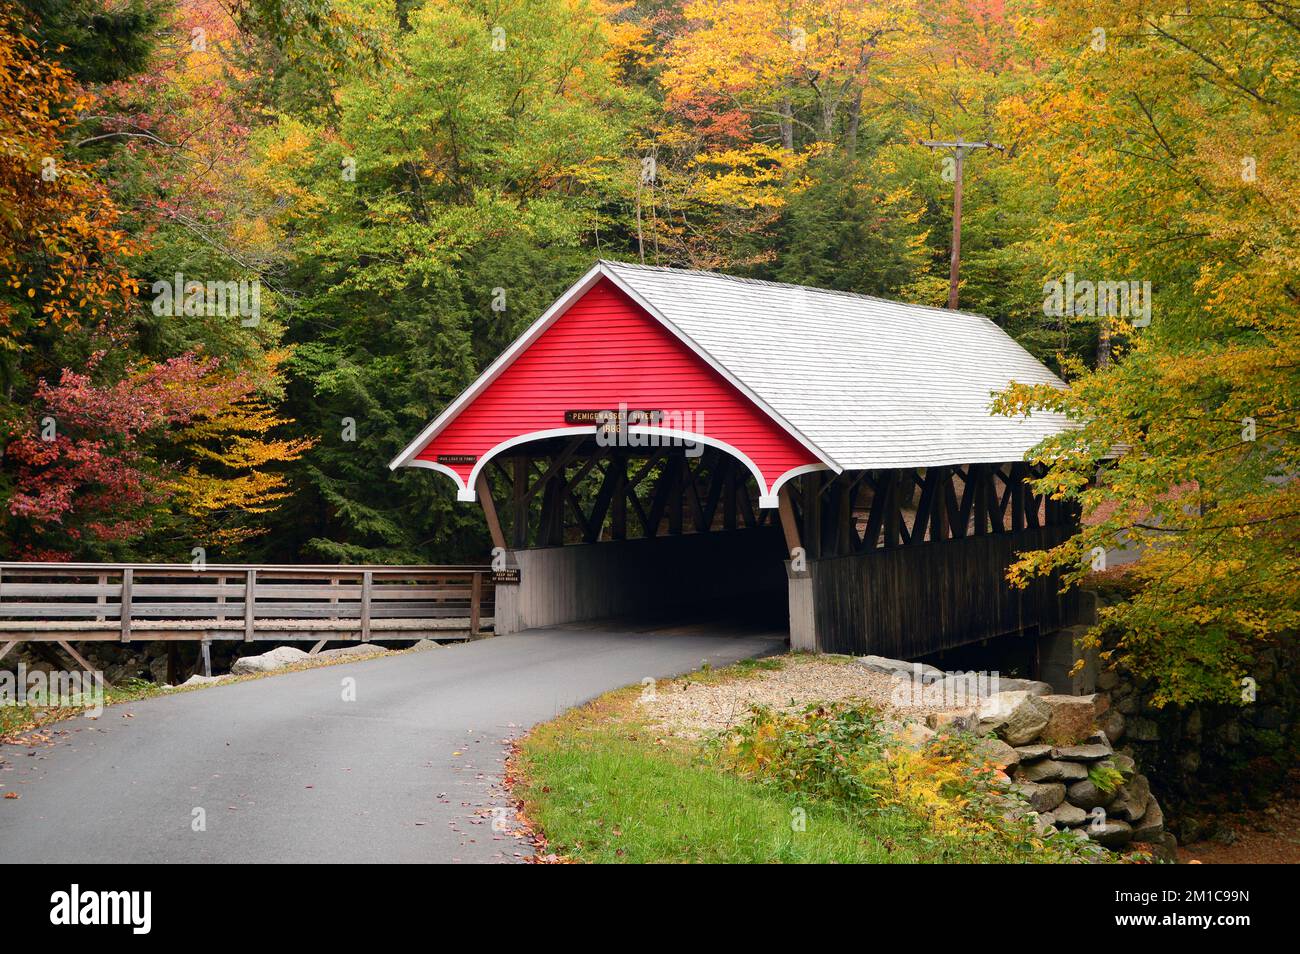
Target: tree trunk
(855,120)
(1103,344)
(787,124)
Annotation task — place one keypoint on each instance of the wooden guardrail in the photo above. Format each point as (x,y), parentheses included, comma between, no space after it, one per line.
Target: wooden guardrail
(62,602)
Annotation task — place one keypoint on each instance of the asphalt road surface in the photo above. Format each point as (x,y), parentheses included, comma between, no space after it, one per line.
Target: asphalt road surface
(284,769)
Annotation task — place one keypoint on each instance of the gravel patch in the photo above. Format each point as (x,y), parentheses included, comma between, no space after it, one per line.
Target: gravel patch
(691,709)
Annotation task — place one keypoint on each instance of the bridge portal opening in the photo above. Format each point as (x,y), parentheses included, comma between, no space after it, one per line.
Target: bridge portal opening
(664,532)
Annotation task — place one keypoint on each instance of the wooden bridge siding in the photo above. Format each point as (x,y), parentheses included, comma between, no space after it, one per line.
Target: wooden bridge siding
(907,602)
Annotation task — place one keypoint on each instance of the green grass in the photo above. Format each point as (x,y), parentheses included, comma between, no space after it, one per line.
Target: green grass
(602,788)
(611,799)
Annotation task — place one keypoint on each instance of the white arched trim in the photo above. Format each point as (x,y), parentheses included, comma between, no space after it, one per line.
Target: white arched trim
(484,459)
(789,475)
(465,490)
(461,489)
(692,437)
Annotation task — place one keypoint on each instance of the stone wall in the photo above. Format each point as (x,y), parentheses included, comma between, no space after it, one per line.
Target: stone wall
(1203,761)
(1211,759)
(1068,770)
(1056,750)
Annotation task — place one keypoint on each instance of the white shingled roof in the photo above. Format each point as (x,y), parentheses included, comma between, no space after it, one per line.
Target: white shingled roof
(871,383)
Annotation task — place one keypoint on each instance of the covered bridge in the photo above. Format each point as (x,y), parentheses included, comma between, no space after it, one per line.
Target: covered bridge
(667,441)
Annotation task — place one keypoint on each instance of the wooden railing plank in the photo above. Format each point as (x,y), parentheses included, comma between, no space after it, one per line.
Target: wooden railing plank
(63,590)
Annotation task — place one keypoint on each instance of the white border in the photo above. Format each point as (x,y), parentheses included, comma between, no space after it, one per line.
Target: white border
(768,499)
(788,475)
(444,469)
(548,318)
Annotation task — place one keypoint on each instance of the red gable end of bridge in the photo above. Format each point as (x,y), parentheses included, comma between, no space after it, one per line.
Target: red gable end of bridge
(604,352)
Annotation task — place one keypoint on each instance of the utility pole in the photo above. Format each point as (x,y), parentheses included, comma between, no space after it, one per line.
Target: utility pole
(960,146)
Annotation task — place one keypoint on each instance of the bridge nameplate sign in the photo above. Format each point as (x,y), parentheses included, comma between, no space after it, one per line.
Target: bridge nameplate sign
(612,419)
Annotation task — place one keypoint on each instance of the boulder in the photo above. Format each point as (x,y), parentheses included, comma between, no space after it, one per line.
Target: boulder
(1124,764)
(1141,730)
(900,667)
(960,690)
(1107,679)
(1111,833)
(997,753)
(1087,796)
(1131,798)
(1070,816)
(1112,724)
(198,680)
(1085,752)
(1164,847)
(1072,719)
(1151,825)
(952,721)
(1031,686)
(914,735)
(1030,753)
(277,658)
(1016,717)
(1051,770)
(1041,798)
(359,651)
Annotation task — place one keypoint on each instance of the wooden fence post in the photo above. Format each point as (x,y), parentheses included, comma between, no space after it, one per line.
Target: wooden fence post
(475,602)
(102,598)
(250,596)
(365,606)
(125,600)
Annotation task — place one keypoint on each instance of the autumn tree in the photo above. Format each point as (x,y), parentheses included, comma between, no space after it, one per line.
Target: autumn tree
(798,67)
(123,433)
(93,476)
(62,250)
(1168,133)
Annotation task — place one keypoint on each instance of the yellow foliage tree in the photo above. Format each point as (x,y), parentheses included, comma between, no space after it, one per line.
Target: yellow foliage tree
(232,469)
(1168,133)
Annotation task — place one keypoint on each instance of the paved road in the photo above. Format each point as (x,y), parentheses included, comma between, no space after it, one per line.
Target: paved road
(285,770)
